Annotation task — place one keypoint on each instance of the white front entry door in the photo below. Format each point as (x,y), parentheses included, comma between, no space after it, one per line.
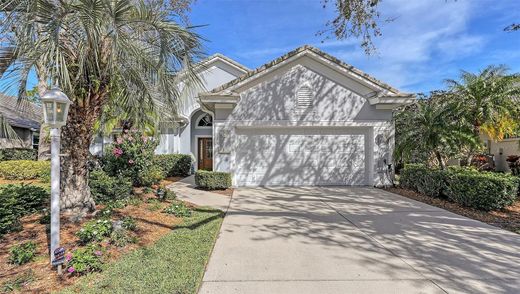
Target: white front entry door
(300,156)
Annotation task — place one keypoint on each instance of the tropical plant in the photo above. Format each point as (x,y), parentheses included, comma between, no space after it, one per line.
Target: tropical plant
(431,128)
(490,100)
(99,52)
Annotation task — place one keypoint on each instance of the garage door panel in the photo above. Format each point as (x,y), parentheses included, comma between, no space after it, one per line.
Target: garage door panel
(300,156)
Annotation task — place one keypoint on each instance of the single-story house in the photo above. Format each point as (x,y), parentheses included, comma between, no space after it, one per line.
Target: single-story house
(305,118)
(24,118)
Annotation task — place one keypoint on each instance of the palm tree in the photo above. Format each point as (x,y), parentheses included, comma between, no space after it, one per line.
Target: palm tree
(429,128)
(93,49)
(491,100)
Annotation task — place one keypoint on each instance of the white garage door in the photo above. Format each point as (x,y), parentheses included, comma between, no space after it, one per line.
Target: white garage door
(300,156)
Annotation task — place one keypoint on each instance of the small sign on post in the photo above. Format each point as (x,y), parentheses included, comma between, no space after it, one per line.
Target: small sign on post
(59,256)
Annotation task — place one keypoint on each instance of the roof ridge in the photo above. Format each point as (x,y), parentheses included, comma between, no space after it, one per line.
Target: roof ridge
(298,50)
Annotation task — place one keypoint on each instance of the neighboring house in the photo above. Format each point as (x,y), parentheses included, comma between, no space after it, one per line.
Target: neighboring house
(501,150)
(24,118)
(305,118)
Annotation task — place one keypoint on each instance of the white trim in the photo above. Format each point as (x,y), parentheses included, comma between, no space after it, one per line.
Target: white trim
(197,151)
(200,118)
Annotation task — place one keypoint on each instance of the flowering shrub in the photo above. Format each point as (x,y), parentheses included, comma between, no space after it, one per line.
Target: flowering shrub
(178,209)
(94,230)
(84,260)
(131,155)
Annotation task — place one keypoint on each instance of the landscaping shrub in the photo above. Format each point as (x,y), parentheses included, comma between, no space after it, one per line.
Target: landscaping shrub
(148,177)
(178,209)
(94,230)
(212,180)
(105,188)
(422,179)
(468,187)
(121,238)
(481,190)
(17,201)
(131,155)
(84,260)
(129,223)
(22,253)
(174,165)
(18,154)
(25,170)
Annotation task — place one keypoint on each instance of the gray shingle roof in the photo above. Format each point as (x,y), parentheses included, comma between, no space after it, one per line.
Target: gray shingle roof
(22,114)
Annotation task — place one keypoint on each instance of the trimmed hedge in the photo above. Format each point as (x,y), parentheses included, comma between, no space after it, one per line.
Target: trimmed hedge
(211,180)
(17,201)
(174,164)
(106,188)
(18,154)
(25,170)
(471,188)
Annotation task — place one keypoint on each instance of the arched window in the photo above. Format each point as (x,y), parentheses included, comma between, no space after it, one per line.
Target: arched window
(304,97)
(204,121)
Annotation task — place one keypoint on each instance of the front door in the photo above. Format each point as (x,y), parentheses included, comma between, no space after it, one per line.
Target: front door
(205,153)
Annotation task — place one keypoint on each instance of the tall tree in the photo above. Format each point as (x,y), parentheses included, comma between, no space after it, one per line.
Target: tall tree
(430,131)
(490,100)
(92,49)
(361,19)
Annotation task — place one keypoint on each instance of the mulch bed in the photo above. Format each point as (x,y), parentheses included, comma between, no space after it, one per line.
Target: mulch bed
(151,222)
(508,218)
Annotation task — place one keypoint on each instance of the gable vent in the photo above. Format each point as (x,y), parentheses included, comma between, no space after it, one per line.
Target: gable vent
(304,97)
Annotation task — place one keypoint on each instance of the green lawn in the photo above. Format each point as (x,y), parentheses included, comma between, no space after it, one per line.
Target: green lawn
(175,264)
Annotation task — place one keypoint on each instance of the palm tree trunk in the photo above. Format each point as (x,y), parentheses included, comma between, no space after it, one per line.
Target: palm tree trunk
(439,158)
(75,142)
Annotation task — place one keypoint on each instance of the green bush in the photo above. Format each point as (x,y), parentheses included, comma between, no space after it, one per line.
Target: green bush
(174,165)
(422,179)
(129,223)
(211,180)
(121,238)
(94,230)
(481,190)
(24,170)
(18,154)
(84,260)
(178,209)
(17,201)
(22,253)
(468,187)
(148,177)
(105,188)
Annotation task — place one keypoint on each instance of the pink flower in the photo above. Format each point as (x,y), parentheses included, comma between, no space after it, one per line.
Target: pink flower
(145,139)
(126,131)
(98,253)
(117,152)
(130,138)
(71,270)
(119,140)
(68,257)
(131,161)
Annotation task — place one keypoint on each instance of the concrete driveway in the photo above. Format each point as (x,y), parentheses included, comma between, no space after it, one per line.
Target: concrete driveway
(356,240)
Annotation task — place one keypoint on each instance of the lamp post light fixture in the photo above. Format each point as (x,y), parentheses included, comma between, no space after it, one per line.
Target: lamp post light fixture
(55,110)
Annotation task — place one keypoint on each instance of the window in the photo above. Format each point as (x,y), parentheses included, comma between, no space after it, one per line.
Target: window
(35,140)
(304,97)
(204,121)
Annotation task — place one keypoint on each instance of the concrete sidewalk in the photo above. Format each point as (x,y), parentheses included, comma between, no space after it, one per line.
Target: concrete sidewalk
(185,190)
(355,240)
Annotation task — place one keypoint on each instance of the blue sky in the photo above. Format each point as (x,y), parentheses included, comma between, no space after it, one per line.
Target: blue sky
(429,41)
